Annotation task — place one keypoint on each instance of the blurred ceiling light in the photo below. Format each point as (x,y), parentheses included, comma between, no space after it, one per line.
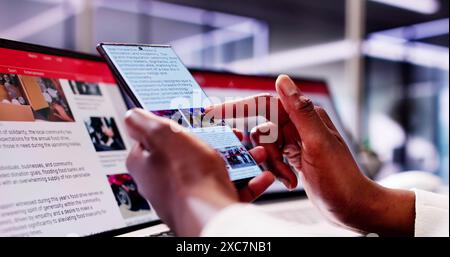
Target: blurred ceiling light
(420,6)
(428,55)
(297,58)
(226,27)
(386,48)
(216,37)
(421,54)
(175,12)
(418,31)
(42,21)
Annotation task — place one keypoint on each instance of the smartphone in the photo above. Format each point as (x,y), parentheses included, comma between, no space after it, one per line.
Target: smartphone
(154,78)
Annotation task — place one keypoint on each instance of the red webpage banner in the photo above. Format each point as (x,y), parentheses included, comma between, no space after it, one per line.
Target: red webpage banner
(231,81)
(50,66)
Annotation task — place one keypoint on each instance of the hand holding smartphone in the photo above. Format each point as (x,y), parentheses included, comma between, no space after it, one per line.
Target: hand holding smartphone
(153,77)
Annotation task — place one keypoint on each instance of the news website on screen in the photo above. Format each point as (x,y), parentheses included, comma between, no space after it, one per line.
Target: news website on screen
(63,148)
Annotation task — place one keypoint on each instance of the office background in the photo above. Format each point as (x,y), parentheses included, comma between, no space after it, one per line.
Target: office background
(386,61)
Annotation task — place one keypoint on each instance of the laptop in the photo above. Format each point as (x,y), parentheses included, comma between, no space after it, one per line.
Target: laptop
(63,147)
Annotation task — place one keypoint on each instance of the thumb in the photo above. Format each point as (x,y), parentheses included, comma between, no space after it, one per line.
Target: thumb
(300,110)
(152,132)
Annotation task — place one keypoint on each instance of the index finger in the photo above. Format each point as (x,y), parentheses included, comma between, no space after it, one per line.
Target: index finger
(264,105)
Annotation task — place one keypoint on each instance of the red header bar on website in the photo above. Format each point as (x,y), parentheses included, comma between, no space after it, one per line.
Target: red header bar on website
(42,65)
(228,81)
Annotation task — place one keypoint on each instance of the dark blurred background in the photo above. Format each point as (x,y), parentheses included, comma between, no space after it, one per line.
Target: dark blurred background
(386,61)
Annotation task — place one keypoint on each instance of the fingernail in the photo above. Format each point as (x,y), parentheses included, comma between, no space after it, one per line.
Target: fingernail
(131,116)
(304,99)
(286,184)
(288,88)
(302,102)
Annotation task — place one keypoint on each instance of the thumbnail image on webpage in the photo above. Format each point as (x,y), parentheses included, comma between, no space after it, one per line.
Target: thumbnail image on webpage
(104,134)
(85,88)
(25,98)
(129,201)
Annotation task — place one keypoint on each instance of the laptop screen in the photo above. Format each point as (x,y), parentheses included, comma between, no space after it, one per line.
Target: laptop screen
(225,85)
(63,146)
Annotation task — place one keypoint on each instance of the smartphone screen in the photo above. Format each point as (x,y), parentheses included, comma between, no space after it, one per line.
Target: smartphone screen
(161,84)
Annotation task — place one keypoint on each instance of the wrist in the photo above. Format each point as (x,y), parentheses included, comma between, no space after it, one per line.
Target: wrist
(396,213)
(387,212)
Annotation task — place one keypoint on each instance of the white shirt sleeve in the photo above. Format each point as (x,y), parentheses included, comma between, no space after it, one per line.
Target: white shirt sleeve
(432,217)
(248,220)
